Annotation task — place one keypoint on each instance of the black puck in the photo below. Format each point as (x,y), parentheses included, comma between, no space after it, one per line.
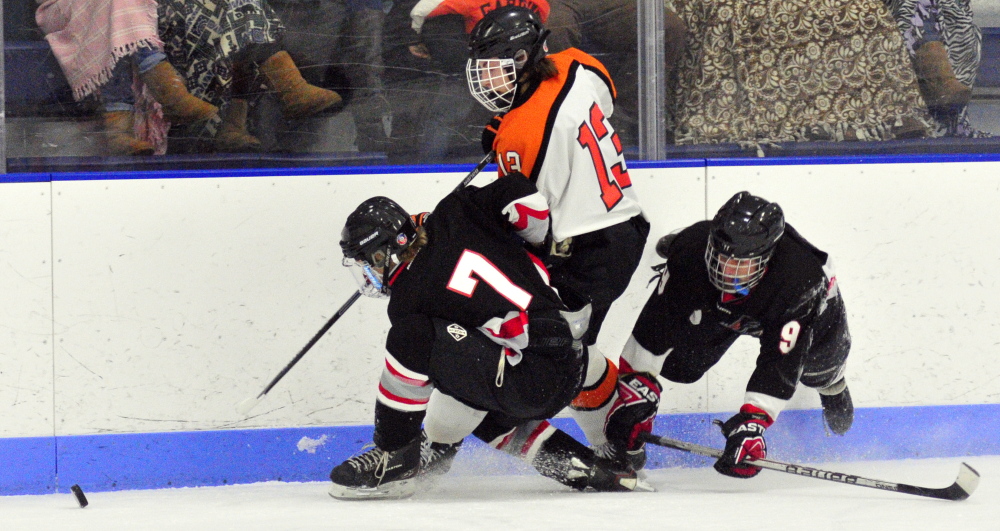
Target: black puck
(78,492)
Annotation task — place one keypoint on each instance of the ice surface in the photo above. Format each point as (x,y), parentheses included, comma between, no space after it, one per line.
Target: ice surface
(687,499)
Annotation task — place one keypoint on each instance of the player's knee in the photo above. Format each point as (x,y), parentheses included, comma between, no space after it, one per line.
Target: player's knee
(599,385)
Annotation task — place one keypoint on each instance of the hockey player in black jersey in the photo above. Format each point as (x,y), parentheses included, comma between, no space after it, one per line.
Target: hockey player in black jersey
(479,343)
(744,272)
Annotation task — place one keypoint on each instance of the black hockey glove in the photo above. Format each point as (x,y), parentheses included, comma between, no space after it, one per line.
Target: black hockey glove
(633,411)
(490,133)
(550,335)
(744,434)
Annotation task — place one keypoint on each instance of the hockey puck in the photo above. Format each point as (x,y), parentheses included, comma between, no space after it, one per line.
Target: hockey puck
(78,492)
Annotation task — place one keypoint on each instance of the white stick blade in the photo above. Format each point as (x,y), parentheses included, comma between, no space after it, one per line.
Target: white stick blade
(968,478)
(245,406)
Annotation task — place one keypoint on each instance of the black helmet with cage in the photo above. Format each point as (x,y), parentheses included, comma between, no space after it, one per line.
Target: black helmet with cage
(373,238)
(505,43)
(742,238)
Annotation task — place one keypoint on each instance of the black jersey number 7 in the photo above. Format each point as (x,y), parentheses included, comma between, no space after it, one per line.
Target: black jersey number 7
(589,135)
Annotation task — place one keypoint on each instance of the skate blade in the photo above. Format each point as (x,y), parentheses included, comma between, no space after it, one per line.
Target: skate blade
(637,484)
(641,485)
(395,490)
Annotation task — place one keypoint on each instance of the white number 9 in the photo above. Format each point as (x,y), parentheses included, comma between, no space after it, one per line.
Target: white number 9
(789,335)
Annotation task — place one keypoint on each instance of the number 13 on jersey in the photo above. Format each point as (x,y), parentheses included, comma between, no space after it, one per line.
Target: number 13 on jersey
(611,179)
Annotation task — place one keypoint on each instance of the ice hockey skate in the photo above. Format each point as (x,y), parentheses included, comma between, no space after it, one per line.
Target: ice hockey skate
(567,461)
(436,458)
(838,409)
(377,474)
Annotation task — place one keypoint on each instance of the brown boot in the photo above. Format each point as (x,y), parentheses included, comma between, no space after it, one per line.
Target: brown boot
(233,136)
(298,97)
(938,83)
(169,89)
(120,135)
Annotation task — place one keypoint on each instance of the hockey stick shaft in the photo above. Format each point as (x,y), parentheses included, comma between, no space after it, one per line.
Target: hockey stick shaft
(475,171)
(248,404)
(962,488)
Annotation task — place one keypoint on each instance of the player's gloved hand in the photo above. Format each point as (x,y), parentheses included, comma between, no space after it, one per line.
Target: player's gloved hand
(632,412)
(744,434)
(490,133)
(554,253)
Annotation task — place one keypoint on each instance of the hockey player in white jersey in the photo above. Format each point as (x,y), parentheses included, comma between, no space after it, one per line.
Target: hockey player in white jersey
(552,127)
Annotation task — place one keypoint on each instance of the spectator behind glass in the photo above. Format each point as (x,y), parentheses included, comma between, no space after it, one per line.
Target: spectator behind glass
(338,45)
(794,70)
(226,51)
(945,46)
(91,37)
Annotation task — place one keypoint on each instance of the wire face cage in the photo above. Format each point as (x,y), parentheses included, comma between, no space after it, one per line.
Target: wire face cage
(492,82)
(734,275)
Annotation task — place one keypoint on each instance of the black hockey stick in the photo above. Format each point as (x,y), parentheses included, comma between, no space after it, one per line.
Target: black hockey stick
(248,404)
(475,171)
(245,406)
(962,488)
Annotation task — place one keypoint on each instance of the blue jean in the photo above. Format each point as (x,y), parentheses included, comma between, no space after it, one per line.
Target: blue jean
(116,94)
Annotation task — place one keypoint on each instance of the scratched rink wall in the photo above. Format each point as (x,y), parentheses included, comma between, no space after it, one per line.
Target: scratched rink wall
(139,309)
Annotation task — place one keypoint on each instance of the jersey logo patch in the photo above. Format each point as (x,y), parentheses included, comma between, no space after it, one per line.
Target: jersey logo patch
(457,332)
(695,317)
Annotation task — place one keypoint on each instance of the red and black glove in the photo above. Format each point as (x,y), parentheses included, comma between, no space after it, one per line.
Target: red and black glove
(744,434)
(633,411)
(490,133)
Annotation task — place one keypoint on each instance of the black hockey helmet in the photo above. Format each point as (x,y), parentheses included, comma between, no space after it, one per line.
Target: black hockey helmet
(741,241)
(372,239)
(502,45)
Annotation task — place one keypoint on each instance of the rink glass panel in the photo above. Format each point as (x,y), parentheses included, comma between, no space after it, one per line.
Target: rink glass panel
(741,84)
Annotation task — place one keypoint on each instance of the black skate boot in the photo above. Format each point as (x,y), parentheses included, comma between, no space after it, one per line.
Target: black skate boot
(838,409)
(569,462)
(377,474)
(636,459)
(436,458)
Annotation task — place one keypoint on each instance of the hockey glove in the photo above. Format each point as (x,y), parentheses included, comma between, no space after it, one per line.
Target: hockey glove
(490,133)
(632,412)
(555,253)
(744,434)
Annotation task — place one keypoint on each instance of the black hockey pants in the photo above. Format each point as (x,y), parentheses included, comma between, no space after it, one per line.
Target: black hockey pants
(473,370)
(600,268)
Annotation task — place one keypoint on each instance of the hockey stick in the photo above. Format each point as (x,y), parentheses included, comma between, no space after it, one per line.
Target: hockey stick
(962,488)
(245,406)
(475,171)
(248,404)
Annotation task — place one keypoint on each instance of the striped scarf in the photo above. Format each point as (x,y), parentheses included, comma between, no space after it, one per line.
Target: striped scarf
(88,37)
